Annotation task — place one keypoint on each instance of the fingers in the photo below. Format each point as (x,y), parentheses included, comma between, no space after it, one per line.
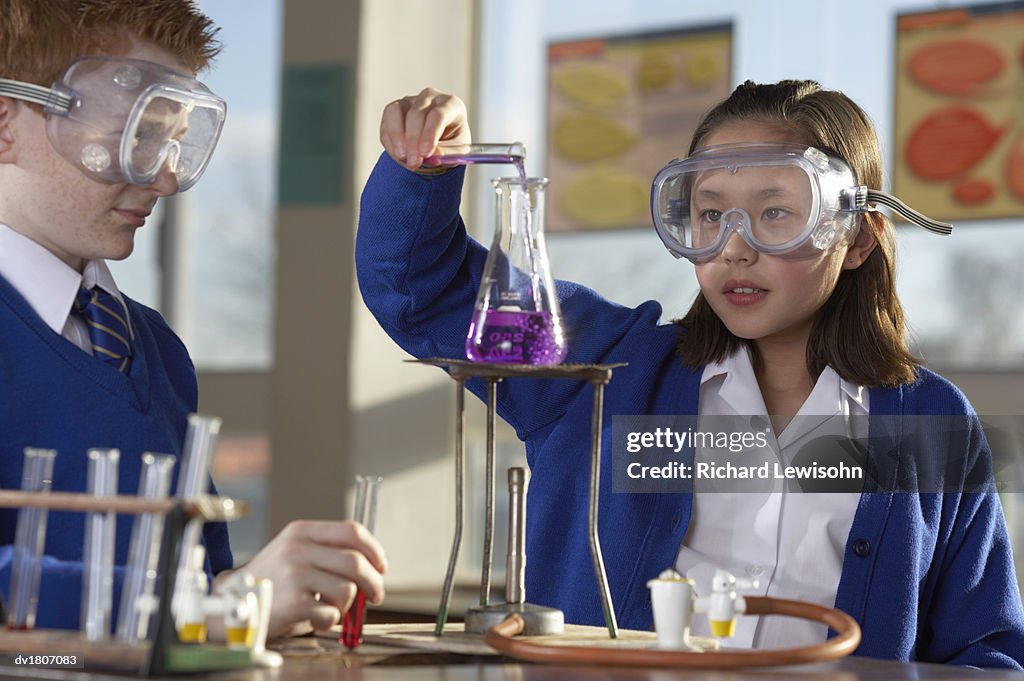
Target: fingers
(310,599)
(342,550)
(329,559)
(336,574)
(298,614)
(411,127)
(324,617)
(392,129)
(340,535)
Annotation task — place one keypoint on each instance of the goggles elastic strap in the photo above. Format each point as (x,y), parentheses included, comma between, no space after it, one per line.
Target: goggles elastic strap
(864,197)
(37,94)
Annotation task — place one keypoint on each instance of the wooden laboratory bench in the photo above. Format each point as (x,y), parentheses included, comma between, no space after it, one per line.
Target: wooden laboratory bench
(321,658)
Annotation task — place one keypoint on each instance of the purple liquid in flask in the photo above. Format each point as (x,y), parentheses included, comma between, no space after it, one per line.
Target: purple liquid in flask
(516,318)
(515,337)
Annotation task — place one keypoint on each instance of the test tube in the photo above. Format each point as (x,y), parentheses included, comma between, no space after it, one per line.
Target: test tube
(144,551)
(29,539)
(200,439)
(193,480)
(98,576)
(448,153)
(365,513)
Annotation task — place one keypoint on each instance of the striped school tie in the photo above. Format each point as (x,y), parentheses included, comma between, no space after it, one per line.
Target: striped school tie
(107,320)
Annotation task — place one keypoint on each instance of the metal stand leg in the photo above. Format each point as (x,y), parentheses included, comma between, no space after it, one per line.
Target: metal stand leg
(485,574)
(460,443)
(595,485)
(165,634)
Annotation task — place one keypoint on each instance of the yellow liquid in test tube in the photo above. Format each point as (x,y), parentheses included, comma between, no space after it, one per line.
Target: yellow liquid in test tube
(240,636)
(194,632)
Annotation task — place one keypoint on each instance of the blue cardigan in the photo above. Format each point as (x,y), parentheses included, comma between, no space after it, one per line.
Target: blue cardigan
(929,576)
(54,396)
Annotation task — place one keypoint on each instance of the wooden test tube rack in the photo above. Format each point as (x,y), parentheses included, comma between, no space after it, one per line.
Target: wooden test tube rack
(164,653)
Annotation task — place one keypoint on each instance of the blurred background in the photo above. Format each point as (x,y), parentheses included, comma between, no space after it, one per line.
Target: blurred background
(253,267)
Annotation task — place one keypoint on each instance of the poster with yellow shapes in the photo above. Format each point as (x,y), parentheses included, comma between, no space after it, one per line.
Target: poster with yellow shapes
(619,109)
(959,132)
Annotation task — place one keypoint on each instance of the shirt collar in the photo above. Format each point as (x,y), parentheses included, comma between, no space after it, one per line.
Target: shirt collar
(737,383)
(857,394)
(739,388)
(45,281)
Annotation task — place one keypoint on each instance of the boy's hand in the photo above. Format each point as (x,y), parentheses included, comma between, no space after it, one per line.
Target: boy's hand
(411,127)
(316,567)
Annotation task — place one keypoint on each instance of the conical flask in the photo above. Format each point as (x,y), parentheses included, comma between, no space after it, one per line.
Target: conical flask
(516,319)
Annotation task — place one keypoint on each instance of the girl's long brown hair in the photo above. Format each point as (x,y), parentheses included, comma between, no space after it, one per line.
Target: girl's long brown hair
(860,330)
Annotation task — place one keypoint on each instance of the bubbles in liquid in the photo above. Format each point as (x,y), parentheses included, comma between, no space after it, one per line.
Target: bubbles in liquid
(515,337)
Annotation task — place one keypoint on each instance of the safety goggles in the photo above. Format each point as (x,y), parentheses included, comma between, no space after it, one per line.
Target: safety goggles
(782,199)
(126,120)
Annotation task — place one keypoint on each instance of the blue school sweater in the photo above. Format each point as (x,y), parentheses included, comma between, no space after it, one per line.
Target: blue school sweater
(928,575)
(54,396)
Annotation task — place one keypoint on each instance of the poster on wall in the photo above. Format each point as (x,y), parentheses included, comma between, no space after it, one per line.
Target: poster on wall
(959,108)
(619,109)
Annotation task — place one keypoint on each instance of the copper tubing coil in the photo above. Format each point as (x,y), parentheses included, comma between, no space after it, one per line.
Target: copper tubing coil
(501,637)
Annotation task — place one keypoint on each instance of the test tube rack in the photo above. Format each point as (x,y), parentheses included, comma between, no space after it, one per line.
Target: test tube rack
(460,370)
(165,653)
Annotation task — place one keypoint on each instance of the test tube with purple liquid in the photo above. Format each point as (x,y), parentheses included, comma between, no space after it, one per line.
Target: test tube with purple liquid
(450,153)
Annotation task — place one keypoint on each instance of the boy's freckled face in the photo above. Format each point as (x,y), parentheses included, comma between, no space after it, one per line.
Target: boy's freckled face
(74,216)
(760,296)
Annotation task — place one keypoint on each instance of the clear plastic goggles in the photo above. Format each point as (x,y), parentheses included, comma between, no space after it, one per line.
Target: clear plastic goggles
(126,120)
(782,199)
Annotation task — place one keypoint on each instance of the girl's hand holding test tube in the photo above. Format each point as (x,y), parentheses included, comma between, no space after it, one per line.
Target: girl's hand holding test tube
(412,127)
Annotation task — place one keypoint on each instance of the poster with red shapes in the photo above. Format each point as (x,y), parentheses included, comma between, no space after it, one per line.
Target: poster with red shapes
(959,106)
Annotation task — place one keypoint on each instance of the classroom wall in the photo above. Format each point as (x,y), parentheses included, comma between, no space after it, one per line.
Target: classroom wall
(338,399)
(344,401)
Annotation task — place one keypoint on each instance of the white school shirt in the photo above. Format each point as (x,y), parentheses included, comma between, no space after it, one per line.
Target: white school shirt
(791,542)
(50,285)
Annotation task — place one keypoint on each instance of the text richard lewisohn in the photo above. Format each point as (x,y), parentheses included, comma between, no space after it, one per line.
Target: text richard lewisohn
(710,470)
